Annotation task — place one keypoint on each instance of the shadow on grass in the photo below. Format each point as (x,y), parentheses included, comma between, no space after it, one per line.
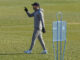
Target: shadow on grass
(17,53)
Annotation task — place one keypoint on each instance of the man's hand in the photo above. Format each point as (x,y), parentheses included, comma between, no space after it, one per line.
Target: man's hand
(26,9)
(43,30)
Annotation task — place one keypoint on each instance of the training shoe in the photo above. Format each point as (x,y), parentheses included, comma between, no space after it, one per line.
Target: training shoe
(28,51)
(44,52)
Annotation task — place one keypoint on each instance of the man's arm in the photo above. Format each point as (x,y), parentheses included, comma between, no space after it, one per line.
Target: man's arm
(41,15)
(30,15)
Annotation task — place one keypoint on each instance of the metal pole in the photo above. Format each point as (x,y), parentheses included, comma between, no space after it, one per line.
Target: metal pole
(57,36)
(61,37)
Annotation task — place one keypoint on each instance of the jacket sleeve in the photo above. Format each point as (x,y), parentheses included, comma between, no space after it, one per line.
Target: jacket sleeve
(41,16)
(30,15)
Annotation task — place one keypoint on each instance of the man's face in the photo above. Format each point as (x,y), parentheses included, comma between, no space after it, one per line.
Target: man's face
(35,7)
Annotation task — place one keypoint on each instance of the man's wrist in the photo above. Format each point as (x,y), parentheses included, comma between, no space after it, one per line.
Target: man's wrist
(43,27)
(26,10)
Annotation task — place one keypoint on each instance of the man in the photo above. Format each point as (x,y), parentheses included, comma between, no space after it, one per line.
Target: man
(39,26)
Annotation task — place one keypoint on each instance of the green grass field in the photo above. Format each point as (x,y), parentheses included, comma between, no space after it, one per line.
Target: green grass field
(16,29)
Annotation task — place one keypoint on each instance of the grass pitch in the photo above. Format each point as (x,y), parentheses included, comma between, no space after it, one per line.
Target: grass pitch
(16,29)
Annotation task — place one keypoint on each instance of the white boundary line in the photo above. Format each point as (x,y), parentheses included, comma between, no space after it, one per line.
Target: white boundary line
(74,23)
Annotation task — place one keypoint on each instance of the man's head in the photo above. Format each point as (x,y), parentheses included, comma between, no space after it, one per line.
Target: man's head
(36,6)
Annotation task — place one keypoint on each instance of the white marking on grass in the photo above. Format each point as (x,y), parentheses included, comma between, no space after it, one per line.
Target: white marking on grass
(73,23)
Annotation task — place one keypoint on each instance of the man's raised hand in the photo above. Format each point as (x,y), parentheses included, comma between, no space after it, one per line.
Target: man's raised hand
(25,9)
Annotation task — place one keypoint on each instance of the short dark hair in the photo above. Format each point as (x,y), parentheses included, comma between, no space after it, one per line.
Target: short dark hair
(35,4)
